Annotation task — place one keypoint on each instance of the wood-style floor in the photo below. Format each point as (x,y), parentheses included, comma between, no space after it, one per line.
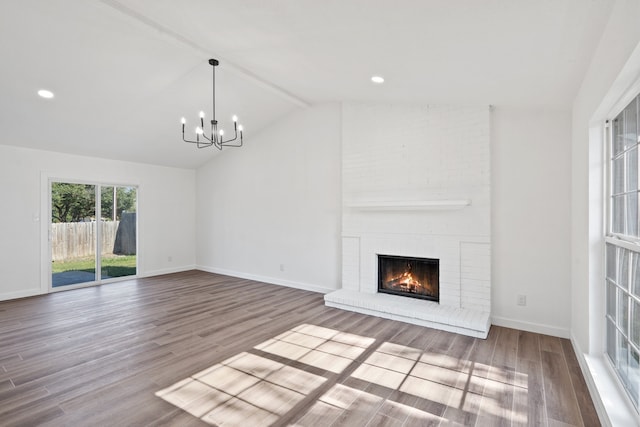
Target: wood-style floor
(196,348)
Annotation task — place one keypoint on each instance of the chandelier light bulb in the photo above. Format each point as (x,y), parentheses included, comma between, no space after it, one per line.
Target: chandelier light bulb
(199,130)
(240,128)
(221,132)
(183,120)
(202,114)
(234,118)
(44,93)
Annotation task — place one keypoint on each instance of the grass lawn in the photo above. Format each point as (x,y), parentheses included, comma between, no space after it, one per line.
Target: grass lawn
(112,265)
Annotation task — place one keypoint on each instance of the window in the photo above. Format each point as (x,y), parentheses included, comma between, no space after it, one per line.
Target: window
(623,251)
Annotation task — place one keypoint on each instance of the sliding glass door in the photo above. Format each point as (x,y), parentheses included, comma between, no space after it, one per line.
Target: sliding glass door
(93,233)
(118,254)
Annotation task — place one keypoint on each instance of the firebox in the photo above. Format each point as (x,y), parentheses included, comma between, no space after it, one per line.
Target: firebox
(409,276)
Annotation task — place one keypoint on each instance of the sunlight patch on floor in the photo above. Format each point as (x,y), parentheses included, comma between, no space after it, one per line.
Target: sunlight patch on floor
(249,389)
(316,346)
(448,381)
(243,390)
(342,402)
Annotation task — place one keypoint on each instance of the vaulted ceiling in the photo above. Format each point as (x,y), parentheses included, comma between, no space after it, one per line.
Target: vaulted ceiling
(125,71)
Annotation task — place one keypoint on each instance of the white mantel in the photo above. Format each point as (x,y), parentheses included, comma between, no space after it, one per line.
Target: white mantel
(409,205)
(416,182)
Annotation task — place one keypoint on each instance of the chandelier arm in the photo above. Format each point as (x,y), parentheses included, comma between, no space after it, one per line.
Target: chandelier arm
(199,144)
(209,144)
(208,139)
(191,142)
(233,146)
(229,140)
(226,143)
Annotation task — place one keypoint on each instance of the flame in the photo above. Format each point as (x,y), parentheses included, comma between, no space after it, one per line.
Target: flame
(405,281)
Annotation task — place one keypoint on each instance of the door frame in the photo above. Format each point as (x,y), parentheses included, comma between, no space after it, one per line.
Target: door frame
(46,178)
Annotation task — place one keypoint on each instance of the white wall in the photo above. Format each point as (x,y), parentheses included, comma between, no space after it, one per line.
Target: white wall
(165,209)
(531,183)
(276,202)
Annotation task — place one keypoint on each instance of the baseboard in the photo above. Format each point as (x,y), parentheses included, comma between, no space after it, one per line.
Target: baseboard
(266,279)
(612,405)
(38,291)
(21,294)
(168,271)
(538,328)
(591,385)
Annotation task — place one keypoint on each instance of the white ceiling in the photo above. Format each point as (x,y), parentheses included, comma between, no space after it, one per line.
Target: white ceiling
(125,71)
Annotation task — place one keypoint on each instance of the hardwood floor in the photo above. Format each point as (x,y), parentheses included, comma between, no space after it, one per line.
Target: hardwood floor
(196,348)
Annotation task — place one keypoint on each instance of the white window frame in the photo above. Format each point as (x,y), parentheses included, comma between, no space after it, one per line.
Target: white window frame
(624,241)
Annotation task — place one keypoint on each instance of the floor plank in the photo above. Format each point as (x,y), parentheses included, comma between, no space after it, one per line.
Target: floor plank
(560,398)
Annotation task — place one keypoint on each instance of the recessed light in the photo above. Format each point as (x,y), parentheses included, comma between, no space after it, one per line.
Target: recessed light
(377,79)
(45,93)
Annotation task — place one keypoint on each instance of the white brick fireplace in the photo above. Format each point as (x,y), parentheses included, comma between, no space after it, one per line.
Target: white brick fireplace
(416,182)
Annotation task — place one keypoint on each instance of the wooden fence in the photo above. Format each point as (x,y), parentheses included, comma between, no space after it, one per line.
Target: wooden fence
(77,239)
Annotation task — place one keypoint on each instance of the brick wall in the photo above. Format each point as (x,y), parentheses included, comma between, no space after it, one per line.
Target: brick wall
(411,155)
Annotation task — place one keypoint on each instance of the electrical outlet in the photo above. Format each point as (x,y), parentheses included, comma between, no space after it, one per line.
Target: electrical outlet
(522,300)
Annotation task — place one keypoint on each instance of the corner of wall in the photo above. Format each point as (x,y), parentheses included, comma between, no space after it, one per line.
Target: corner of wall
(266,279)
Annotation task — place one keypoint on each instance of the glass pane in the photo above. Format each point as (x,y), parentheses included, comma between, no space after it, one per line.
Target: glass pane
(623,268)
(611,262)
(617,174)
(611,341)
(73,234)
(633,376)
(611,300)
(119,224)
(617,214)
(630,125)
(623,313)
(635,283)
(618,137)
(632,169)
(635,323)
(632,214)
(622,362)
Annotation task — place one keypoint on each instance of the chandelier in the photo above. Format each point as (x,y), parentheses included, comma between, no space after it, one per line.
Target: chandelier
(216,137)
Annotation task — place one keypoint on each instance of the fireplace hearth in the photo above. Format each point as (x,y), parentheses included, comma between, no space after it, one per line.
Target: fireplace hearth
(409,276)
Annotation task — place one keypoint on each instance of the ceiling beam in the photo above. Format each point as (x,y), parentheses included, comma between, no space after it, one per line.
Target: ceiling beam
(244,73)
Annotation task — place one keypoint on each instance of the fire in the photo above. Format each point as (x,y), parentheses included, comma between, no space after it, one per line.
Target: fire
(405,282)
(412,277)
